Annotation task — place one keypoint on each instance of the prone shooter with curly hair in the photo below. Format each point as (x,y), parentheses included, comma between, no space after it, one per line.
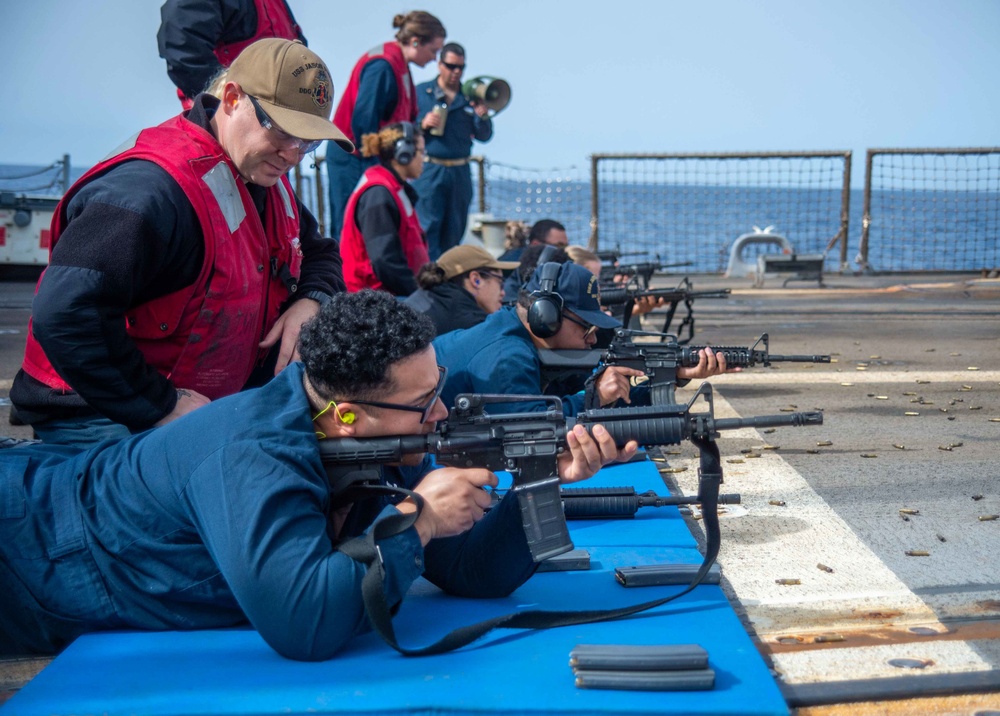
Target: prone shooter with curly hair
(230,514)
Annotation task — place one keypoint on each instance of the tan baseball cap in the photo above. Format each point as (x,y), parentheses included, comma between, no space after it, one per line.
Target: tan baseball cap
(468,257)
(293,86)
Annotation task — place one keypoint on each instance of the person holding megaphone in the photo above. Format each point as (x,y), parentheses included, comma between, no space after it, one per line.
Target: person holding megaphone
(451,118)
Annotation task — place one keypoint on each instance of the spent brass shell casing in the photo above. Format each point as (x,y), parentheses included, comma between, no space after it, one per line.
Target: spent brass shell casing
(752,454)
(671,452)
(824,568)
(995,420)
(876,357)
(917,553)
(824,443)
(787,581)
(898,446)
(861,367)
(909,393)
(776,503)
(787,410)
(966,387)
(812,452)
(975,407)
(881,397)
(946,448)
(847,385)
(972,367)
(868,454)
(770,447)
(736,461)
(769,431)
(955,445)
(923,382)
(988,518)
(672,470)
(909,511)
(826,638)
(910,413)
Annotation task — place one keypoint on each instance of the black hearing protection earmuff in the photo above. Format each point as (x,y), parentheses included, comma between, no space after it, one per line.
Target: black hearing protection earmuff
(545,312)
(405,148)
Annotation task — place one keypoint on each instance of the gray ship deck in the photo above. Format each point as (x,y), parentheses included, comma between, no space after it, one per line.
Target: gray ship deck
(923,344)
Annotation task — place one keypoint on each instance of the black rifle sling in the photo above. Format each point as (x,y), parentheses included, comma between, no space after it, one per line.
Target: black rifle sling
(365,550)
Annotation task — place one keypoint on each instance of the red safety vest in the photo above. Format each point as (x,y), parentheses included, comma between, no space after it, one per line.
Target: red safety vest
(274,19)
(358,272)
(406,103)
(203,337)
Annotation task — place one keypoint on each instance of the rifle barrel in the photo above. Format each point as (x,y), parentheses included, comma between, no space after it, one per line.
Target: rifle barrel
(796,420)
(745,357)
(670,425)
(617,295)
(799,359)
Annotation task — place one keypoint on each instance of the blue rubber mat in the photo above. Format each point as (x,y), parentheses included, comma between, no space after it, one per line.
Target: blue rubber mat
(508,672)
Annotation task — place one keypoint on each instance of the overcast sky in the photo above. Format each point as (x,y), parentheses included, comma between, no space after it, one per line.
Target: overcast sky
(587,76)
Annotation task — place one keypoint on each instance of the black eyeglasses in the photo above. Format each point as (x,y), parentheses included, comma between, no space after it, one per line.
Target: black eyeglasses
(490,274)
(424,410)
(303,145)
(452,67)
(588,328)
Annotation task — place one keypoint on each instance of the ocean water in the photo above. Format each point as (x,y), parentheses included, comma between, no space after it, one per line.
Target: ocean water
(911,229)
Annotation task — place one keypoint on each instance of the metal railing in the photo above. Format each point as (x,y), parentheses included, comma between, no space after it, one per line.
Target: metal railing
(694,205)
(931,210)
(924,209)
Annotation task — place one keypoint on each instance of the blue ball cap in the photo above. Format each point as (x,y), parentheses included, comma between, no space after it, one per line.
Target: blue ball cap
(579,290)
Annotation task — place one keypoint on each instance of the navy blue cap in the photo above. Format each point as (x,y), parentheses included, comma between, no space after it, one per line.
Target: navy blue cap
(579,291)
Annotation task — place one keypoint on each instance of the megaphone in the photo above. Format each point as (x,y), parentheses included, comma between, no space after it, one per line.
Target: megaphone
(491,91)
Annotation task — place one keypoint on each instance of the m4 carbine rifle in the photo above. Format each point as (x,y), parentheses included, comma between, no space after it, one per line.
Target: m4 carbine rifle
(528,446)
(660,361)
(613,266)
(615,295)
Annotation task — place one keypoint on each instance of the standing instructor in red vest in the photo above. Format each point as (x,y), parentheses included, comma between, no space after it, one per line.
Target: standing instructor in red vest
(198,38)
(182,266)
(380,92)
(382,244)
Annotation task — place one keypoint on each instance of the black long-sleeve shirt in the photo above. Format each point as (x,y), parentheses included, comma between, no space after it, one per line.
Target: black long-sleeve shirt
(190,30)
(378,218)
(131,236)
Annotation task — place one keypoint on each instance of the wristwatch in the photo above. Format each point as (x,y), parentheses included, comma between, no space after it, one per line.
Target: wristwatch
(321,298)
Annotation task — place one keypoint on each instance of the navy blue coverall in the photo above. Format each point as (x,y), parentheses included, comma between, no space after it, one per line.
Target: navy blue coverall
(446,191)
